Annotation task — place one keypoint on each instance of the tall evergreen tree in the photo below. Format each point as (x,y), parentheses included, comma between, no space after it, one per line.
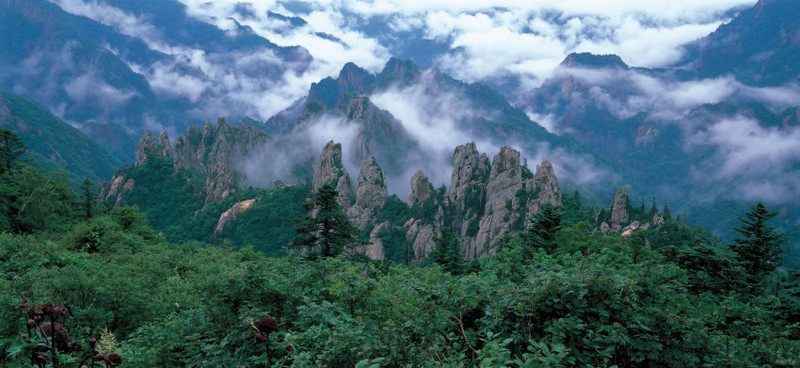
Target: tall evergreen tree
(11,148)
(545,227)
(448,252)
(89,197)
(325,229)
(759,245)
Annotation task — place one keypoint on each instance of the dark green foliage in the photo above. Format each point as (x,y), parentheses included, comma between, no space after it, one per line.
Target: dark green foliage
(574,210)
(11,148)
(89,198)
(544,229)
(169,199)
(579,299)
(325,230)
(448,252)
(268,225)
(759,245)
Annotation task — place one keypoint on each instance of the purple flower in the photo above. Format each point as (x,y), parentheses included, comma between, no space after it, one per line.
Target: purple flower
(114,359)
(267,324)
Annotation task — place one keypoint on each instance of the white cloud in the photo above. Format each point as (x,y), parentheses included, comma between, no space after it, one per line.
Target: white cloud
(757,162)
(89,88)
(432,119)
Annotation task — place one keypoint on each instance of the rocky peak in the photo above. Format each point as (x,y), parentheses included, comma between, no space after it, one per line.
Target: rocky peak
(471,170)
(371,188)
(619,210)
(399,72)
(150,146)
(591,61)
(331,170)
(380,135)
(546,188)
(371,193)
(186,149)
(502,202)
(421,189)
(355,79)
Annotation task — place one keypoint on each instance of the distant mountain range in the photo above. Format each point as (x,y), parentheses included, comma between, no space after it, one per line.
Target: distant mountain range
(711,133)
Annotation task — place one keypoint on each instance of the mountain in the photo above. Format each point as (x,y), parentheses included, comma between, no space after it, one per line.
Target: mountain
(119,67)
(410,119)
(52,143)
(486,200)
(712,132)
(761,46)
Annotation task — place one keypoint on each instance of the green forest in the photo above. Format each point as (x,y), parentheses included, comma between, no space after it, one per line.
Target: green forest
(84,283)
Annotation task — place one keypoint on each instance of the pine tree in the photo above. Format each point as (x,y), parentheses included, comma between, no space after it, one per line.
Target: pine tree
(325,228)
(11,148)
(89,197)
(653,208)
(545,227)
(448,252)
(759,246)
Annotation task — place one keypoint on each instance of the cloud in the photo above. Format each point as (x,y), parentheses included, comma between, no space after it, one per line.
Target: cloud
(89,88)
(521,39)
(101,12)
(752,161)
(627,92)
(432,117)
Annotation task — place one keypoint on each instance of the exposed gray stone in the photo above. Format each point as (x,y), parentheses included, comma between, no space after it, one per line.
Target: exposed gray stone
(331,170)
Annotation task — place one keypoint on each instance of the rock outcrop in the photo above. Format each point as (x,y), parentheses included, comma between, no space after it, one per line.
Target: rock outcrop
(237,209)
(546,190)
(371,193)
(152,146)
(502,208)
(214,152)
(428,205)
(375,249)
(421,189)
(469,181)
(619,210)
(117,190)
(331,170)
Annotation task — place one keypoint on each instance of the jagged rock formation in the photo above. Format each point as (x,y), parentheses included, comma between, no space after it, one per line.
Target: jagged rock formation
(214,152)
(619,210)
(331,170)
(485,202)
(150,146)
(237,209)
(471,171)
(421,189)
(371,193)
(621,218)
(119,188)
(513,196)
(423,229)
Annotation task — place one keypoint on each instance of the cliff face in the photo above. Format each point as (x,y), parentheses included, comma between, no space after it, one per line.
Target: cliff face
(371,193)
(331,170)
(213,152)
(485,201)
(152,146)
